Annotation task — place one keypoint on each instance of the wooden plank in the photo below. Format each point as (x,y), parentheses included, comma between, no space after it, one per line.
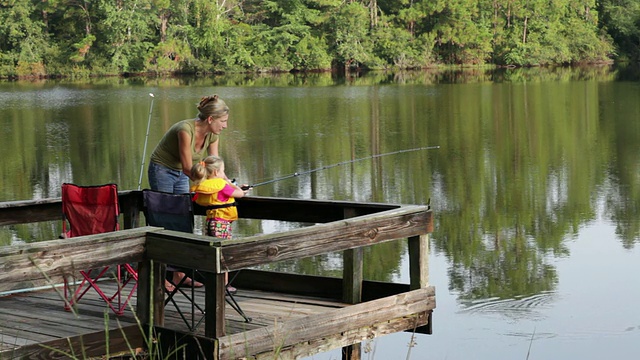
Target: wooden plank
(36,261)
(89,311)
(419,268)
(58,321)
(301,210)
(24,212)
(184,250)
(251,207)
(323,344)
(296,284)
(286,300)
(352,270)
(150,293)
(310,285)
(185,346)
(329,324)
(47,328)
(29,330)
(323,238)
(273,308)
(83,346)
(419,261)
(30,211)
(214,286)
(352,275)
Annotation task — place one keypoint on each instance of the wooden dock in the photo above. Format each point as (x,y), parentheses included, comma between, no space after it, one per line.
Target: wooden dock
(38,317)
(291,315)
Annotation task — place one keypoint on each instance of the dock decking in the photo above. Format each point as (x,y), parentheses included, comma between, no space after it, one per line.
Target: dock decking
(38,317)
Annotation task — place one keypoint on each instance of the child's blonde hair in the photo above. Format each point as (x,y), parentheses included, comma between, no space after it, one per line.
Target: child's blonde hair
(205,168)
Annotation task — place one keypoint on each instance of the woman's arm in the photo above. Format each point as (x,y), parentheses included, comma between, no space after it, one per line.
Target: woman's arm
(184,147)
(213,148)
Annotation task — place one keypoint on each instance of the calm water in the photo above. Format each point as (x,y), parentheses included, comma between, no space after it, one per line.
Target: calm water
(536,186)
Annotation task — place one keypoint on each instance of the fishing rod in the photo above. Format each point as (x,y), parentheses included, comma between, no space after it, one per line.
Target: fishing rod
(295,174)
(146,137)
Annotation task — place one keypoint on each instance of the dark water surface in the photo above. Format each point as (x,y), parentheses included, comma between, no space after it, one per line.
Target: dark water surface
(535,187)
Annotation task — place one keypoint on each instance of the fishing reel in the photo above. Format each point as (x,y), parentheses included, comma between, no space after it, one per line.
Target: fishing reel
(243,187)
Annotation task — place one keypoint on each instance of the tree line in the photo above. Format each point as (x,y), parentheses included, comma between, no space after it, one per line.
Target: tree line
(114,37)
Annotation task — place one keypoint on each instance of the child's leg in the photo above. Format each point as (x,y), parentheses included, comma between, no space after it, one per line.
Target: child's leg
(221,229)
(218,228)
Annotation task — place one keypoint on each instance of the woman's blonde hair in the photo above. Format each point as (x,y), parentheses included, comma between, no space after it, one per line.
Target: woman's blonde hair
(203,169)
(212,106)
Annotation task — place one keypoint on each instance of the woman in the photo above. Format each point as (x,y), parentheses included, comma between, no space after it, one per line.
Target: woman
(185,143)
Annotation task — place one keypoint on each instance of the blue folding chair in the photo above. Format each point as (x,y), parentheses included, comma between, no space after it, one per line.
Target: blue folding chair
(175,212)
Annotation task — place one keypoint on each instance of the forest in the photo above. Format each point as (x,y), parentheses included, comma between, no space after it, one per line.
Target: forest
(81,38)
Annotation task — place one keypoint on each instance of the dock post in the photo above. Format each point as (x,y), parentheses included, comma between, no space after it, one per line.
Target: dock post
(419,257)
(419,265)
(419,261)
(130,206)
(214,323)
(150,299)
(352,277)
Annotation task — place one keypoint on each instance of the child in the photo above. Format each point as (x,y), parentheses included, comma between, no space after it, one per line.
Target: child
(213,190)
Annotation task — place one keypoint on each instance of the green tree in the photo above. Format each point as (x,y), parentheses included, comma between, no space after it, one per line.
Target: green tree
(286,35)
(172,52)
(40,37)
(23,40)
(559,32)
(124,34)
(621,19)
(350,41)
(462,33)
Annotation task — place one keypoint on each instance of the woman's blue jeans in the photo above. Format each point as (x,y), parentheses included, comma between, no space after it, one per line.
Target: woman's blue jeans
(162,178)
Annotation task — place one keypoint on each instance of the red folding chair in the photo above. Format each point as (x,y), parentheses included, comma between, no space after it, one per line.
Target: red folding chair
(91,210)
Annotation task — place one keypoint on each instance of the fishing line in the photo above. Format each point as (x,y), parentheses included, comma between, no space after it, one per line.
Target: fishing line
(295,174)
(146,137)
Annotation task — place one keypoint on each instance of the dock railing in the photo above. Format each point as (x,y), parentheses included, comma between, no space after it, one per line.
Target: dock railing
(340,226)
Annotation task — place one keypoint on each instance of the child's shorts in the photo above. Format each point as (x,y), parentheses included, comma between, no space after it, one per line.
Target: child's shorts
(219,228)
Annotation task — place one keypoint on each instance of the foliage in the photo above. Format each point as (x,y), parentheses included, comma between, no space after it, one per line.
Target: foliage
(350,41)
(168,57)
(54,37)
(621,20)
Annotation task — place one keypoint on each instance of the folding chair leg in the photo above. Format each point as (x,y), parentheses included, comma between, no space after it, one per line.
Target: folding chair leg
(232,301)
(88,282)
(81,289)
(193,324)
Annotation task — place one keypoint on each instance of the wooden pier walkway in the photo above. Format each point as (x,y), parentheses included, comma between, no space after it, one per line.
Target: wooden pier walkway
(38,317)
(291,314)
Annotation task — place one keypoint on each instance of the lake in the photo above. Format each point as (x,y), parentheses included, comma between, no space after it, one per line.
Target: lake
(535,185)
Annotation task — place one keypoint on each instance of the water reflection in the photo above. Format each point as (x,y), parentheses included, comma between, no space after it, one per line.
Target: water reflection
(521,307)
(527,157)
